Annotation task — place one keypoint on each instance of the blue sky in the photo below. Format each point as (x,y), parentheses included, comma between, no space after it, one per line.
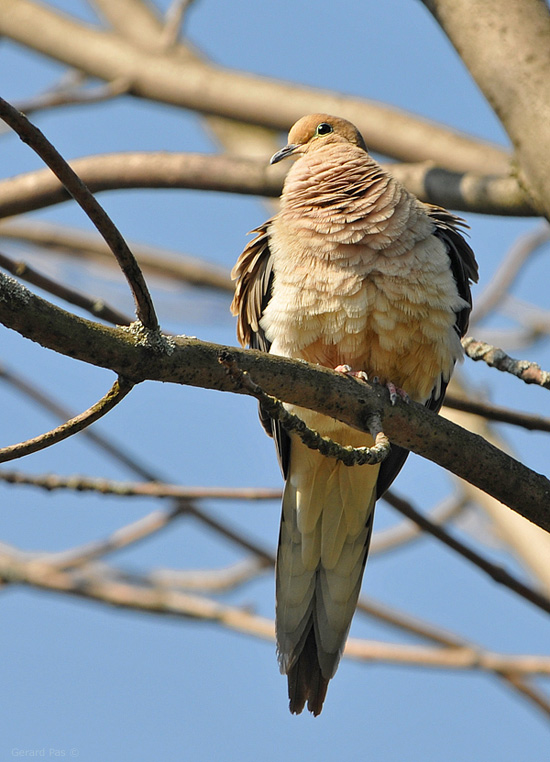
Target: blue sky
(125,686)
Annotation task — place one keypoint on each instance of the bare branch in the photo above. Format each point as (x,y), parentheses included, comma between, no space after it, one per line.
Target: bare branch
(175,16)
(128,535)
(94,306)
(37,141)
(527,542)
(395,537)
(497,573)
(138,489)
(516,86)
(202,87)
(159,600)
(154,260)
(138,355)
(118,391)
(232,174)
(528,372)
(210,580)
(106,444)
(349,456)
(500,414)
(520,253)
(70,93)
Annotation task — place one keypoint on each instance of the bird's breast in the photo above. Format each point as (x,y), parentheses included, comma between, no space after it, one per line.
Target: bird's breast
(390,315)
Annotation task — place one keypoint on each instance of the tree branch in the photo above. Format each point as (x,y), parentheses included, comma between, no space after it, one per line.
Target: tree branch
(231,174)
(171,78)
(93,305)
(528,372)
(506,47)
(496,572)
(118,391)
(152,259)
(138,355)
(71,181)
(15,568)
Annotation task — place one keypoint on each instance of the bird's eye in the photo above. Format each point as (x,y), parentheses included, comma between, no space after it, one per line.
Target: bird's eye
(323,129)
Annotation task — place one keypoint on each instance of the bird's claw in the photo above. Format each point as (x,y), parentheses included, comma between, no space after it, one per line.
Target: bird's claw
(395,392)
(348,371)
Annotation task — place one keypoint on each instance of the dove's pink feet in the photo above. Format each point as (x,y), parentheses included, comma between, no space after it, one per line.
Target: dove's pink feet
(347,370)
(395,391)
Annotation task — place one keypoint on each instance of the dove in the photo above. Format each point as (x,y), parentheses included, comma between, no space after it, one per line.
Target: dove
(356,274)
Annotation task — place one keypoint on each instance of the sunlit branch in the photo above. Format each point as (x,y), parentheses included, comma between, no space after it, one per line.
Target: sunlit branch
(138,355)
(496,572)
(498,414)
(233,174)
(528,372)
(152,259)
(208,89)
(31,135)
(118,391)
(15,569)
(31,390)
(93,305)
(159,490)
(519,254)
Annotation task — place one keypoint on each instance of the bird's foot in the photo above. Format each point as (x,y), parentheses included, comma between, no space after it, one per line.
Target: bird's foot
(395,391)
(348,371)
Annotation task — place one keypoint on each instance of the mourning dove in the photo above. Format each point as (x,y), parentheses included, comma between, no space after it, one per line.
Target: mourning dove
(352,271)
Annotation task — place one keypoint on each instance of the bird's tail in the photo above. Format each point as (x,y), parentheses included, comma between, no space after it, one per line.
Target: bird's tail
(325,533)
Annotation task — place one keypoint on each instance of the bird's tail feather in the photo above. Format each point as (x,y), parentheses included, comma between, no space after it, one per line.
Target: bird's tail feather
(325,532)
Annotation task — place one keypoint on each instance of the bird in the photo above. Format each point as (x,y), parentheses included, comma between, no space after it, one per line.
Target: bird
(353,273)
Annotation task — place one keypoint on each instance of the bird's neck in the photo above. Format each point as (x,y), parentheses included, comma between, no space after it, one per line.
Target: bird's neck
(343,193)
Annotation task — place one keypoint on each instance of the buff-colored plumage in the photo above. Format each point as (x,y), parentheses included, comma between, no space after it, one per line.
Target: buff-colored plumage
(352,270)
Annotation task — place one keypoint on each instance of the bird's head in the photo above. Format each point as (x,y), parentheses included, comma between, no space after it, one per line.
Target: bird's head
(312,132)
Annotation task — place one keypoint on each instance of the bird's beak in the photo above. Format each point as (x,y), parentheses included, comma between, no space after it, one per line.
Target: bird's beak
(284,153)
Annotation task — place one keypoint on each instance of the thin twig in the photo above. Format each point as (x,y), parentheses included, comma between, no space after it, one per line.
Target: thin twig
(175,16)
(121,538)
(518,255)
(395,537)
(496,413)
(497,573)
(210,580)
(118,391)
(96,307)
(349,456)
(415,626)
(70,92)
(31,135)
(152,259)
(140,489)
(529,372)
(31,390)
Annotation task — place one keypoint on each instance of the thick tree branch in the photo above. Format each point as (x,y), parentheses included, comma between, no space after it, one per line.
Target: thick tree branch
(138,355)
(199,86)
(506,47)
(231,174)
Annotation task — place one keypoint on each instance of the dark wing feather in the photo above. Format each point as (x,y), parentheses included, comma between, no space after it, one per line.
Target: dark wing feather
(464,267)
(253,272)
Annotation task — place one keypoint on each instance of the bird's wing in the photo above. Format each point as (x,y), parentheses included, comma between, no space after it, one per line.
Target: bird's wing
(254,274)
(464,267)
